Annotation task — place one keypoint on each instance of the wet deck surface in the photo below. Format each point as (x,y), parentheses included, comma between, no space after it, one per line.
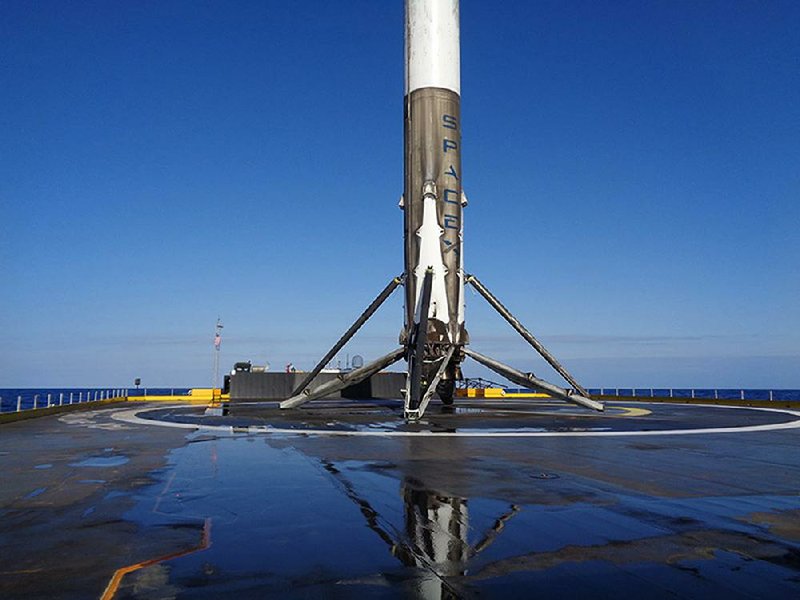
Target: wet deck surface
(447,511)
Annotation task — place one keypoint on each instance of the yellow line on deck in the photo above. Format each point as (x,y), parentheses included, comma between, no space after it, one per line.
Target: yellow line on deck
(116,579)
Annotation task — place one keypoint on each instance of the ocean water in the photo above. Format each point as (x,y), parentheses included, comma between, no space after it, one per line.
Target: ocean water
(28,397)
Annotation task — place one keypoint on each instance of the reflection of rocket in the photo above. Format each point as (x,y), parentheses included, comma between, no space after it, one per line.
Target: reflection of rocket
(432,199)
(434,536)
(436,527)
(436,541)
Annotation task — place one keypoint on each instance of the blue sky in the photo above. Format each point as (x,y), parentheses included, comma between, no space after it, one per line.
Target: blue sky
(633,170)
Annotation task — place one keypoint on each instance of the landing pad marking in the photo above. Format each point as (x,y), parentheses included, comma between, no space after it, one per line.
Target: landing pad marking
(131,416)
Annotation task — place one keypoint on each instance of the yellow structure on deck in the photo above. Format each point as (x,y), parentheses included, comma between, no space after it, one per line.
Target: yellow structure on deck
(497,393)
(195,396)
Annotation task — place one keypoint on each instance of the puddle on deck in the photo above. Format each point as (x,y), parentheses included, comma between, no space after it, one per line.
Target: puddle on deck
(289,523)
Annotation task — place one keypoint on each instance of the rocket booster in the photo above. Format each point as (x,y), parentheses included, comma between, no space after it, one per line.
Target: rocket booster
(433,337)
(433,200)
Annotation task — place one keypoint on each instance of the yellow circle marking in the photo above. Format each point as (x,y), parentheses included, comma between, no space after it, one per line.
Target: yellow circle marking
(629,411)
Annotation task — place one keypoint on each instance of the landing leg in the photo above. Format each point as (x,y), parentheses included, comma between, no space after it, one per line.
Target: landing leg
(370,310)
(343,380)
(527,335)
(528,380)
(415,383)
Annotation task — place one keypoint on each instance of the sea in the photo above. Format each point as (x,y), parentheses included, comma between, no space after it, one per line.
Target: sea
(28,398)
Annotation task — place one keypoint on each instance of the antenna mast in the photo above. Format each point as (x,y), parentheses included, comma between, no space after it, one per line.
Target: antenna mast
(217,344)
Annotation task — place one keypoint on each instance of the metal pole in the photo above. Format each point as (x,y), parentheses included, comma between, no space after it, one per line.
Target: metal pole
(35,401)
(380,299)
(527,335)
(742,392)
(716,394)
(49,403)
(19,403)
(692,392)
(61,399)
(770,395)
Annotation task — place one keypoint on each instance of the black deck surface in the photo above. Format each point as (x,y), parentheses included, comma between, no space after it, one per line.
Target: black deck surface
(633,502)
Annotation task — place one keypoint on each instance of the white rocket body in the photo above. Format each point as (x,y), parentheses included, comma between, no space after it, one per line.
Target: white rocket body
(433,198)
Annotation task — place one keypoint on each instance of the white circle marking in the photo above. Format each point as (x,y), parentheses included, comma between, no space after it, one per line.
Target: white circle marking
(131,416)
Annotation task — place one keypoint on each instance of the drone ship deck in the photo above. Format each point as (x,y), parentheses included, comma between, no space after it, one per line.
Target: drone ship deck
(488,498)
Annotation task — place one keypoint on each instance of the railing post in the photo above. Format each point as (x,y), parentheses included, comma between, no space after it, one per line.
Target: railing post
(692,392)
(716,394)
(61,398)
(19,403)
(49,404)
(35,401)
(70,397)
(770,395)
(742,394)
(670,392)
